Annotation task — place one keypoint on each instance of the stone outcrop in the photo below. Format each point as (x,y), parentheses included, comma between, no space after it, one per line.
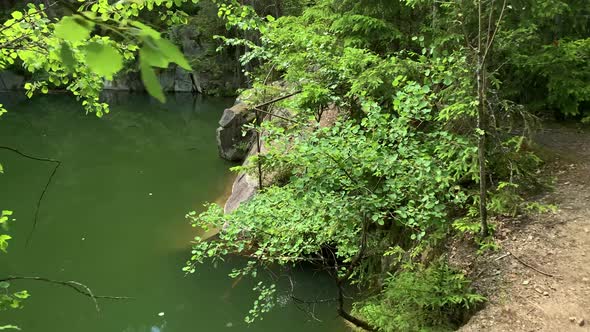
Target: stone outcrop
(243,189)
(233,145)
(11,81)
(246,185)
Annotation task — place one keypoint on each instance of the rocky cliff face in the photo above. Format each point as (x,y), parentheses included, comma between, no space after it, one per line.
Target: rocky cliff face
(173,79)
(215,72)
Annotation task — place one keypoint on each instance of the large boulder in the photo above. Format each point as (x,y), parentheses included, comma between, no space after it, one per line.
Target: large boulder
(242,190)
(246,185)
(232,143)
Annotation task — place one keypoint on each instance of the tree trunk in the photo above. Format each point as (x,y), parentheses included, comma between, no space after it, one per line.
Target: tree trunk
(482,51)
(481,138)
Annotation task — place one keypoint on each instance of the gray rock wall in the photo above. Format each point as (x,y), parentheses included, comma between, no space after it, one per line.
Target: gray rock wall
(233,145)
(173,79)
(11,81)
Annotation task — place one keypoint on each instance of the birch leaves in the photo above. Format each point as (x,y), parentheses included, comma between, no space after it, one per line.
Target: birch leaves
(80,51)
(104,57)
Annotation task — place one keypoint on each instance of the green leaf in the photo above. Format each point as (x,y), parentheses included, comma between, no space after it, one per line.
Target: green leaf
(73,28)
(172,53)
(67,56)
(103,59)
(4,284)
(22,295)
(1,169)
(145,30)
(17,15)
(149,54)
(9,327)
(4,241)
(151,82)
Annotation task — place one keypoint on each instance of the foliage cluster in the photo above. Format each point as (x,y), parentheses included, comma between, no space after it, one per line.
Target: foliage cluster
(420,300)
(371,198)
(8,298)
(399,167)
(79,51)
(544,55)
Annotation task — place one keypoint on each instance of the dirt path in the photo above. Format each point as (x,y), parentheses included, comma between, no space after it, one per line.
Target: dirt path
(522,299)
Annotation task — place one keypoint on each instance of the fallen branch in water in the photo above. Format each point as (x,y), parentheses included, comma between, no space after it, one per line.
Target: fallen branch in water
(58,163)
(75,285)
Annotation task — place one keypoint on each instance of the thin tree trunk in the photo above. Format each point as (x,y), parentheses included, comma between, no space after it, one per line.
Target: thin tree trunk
(481,124)
(350,318)
(258,148)
(481,147)
(341,280)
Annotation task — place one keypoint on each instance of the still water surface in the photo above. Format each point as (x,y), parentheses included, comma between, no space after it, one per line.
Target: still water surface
(113,218)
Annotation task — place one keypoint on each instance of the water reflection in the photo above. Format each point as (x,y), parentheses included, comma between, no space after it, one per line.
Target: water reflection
(98,223)
(153,328)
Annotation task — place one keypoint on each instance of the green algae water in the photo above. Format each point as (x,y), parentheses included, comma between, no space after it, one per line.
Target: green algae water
(113,219)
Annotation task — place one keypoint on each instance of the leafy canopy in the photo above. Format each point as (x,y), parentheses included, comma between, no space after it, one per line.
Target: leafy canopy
(79,51)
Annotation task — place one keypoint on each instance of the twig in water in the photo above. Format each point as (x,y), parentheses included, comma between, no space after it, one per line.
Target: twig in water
(58,163)
(77,286)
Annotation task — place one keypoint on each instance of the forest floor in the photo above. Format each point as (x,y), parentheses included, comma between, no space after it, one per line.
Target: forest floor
(539,279)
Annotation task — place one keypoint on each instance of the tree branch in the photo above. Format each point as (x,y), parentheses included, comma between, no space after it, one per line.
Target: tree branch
(75,285)
(277,99)
(489,43)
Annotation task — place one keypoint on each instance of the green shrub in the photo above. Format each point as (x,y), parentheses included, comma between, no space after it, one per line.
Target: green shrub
(435,298)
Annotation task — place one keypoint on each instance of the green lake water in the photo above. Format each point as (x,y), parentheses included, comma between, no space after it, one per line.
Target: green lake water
(113,219)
